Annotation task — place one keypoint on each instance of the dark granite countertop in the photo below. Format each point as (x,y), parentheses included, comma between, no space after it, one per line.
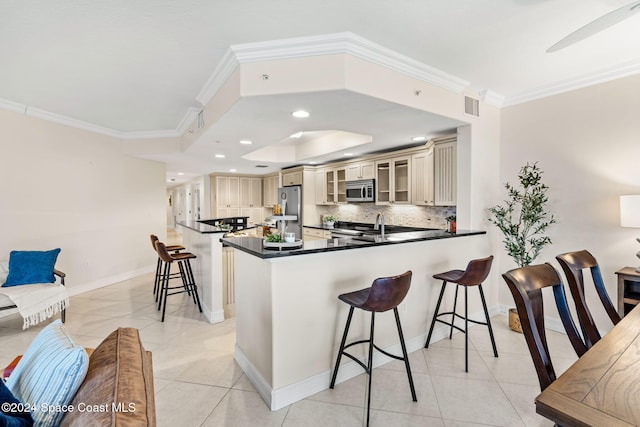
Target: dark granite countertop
(203,228)
(253,245)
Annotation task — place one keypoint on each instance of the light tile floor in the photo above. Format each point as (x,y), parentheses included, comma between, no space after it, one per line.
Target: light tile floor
(197,382)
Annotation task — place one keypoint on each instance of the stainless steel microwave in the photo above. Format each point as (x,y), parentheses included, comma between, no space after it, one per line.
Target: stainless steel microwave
(362,190)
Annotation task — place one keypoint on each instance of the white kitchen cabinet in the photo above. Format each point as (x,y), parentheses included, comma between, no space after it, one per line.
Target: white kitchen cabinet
(393,181)
(422,177)
(270,186)
(292,177)
(250,192)
(445,172)
(360,170)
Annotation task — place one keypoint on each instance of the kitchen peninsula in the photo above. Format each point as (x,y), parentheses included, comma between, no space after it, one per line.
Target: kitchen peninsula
(289,319)
(213,262)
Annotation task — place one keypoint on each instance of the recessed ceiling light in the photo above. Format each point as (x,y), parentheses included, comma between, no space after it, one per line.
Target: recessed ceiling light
(348,154)
(297,134)
(180,173)
(312,162)
(246,142)
(419,138)
(232,170)
(300,114)
(220,156)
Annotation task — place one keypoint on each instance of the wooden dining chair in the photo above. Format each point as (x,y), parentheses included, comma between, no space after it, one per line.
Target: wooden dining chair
(573,264)
(526,285)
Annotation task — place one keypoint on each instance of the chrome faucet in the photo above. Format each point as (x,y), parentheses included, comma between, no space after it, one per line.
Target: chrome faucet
(380,219)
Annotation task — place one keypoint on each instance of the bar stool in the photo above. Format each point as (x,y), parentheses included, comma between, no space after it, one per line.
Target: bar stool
(385,293)
(186,274)
(170,248)
(476,272)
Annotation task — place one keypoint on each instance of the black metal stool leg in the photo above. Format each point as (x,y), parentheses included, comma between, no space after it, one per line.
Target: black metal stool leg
(166,289)
(370,364)
(342,343)
(194,287)
(486,313)
(453,313)
(466,330)
(405,355)
(156,284)
(435,314)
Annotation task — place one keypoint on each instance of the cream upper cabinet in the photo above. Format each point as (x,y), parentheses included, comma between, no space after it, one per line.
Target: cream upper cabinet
(445,172)
(330,186)
(320,184)
(292,178)
(250,192)
(270,190)
(340,177)
(393,181)
(422,178)
(360,170)
(227,192)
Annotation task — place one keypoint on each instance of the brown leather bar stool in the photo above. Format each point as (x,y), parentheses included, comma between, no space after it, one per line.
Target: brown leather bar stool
(385,293)
(186,274)
(476,272)
(170,248)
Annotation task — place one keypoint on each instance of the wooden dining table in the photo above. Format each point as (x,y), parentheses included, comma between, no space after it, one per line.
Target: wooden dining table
(603,387)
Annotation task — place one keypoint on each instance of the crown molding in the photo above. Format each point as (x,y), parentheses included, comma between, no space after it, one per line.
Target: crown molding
(346,43)
(5,104)
(219,76)
(71,122)
(602,76)
(492,98)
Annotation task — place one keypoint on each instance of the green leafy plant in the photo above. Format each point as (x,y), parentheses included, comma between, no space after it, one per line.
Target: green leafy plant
(523,218)
(329,218)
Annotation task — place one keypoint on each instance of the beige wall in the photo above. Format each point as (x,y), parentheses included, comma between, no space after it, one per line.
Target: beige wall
(68,188)
(587,143)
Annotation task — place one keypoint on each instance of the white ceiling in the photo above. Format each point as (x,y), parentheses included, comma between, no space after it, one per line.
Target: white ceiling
(129,67)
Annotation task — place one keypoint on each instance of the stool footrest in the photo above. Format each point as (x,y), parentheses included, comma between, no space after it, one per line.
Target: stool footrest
(358,361)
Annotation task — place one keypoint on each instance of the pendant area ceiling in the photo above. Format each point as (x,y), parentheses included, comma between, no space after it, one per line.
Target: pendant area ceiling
(137,66)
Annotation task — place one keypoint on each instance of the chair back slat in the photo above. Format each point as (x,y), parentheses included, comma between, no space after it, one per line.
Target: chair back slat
(526,285)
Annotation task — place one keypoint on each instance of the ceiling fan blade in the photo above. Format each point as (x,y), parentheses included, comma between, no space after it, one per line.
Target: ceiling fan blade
(597,25)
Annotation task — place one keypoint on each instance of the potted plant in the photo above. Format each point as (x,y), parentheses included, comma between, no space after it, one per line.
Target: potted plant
(523,220)
(451,223)
(329,220)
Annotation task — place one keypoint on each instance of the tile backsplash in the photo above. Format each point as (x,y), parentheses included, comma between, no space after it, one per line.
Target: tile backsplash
(410,215)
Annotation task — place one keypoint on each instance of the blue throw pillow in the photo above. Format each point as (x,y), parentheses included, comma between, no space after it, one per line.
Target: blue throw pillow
(49,374)
(29,267)
(14,414)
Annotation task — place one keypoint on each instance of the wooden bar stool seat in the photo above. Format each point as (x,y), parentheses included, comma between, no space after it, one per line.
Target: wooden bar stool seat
(385,293)
(186,274)
(158,278)
(476,272)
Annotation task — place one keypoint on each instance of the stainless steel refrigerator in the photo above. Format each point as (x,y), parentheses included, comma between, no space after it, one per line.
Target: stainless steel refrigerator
(290,198)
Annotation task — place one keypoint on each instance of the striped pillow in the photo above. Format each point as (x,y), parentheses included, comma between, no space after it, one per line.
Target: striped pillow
(49,374)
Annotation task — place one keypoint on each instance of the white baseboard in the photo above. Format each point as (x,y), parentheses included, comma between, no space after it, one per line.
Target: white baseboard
(110,280)
(284,396)
(213,316)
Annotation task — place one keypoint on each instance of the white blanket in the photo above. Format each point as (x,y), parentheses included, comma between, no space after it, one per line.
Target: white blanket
(36,303)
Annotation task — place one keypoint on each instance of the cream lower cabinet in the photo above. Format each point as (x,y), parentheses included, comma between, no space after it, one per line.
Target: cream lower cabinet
(315,234)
